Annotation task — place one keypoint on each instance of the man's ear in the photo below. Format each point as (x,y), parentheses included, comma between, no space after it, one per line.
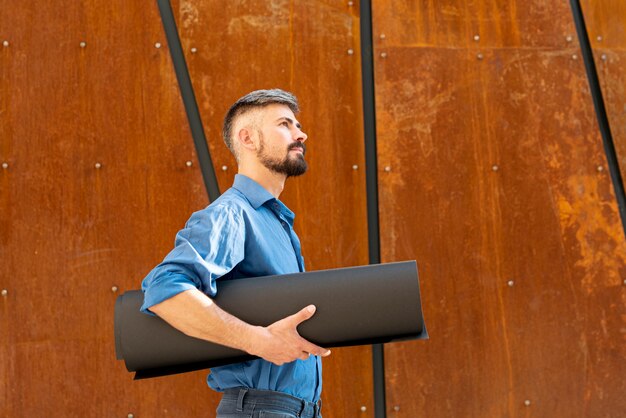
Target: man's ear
(245,138)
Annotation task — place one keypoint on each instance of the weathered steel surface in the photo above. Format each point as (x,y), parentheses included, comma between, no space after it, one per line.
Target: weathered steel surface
(606,25)
(71,231)
(488,177)
(454,23)
(303,47)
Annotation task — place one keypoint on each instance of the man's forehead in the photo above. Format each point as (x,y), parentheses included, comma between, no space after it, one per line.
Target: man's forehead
(277,110)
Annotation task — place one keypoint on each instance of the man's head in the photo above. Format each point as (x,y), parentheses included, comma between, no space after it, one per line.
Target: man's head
(262,125)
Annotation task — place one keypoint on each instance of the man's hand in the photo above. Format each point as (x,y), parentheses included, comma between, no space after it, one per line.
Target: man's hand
(280,342)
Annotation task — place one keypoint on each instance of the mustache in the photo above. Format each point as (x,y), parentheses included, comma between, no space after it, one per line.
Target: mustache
(297,145)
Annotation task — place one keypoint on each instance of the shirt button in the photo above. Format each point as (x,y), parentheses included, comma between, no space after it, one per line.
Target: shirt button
(283,223)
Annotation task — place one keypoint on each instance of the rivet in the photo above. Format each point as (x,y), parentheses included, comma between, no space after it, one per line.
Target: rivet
(114,289)
(495,168)
(624,282)
(569,38)
(4,292)
(83,44)
(194,50)
(363,408)
(479,56)
(603,57)
(599,38)
(224,167)
(574,56)
(98,165)
(131,416)
(396,408)
(383,55)
(350,3)
(5,43)
(382,36)
(600,168)
(527,402)
(477,38)
(188,163)
(355,167)
(5,165)
(510,283)
(157,45)
(387,169)
(350,51)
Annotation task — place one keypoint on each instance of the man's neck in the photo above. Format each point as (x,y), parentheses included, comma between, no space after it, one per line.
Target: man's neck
(271,181)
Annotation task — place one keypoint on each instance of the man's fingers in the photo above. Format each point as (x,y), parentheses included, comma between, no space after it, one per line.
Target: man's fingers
(302,316)
(322,352)
(316,350)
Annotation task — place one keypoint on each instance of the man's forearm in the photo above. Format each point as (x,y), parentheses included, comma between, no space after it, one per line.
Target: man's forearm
(195,314)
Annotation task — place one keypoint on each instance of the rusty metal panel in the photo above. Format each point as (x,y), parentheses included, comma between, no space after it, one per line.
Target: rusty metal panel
(312,49)
(488,176)
(606,24)
(96,183)
(454,23)
(72,232)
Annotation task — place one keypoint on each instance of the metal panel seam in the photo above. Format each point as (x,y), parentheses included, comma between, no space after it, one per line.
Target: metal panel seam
(601,115)
(189,99)
(371,167)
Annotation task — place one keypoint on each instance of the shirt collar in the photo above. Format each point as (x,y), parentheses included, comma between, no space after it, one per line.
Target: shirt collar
(253,191)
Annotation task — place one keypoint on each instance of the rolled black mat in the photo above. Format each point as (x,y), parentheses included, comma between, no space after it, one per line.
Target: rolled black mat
(356,305)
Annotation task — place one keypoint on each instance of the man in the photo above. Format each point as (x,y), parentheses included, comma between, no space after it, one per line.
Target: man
(246,232)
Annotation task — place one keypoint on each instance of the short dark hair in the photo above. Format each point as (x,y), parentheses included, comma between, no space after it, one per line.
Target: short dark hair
(255,99)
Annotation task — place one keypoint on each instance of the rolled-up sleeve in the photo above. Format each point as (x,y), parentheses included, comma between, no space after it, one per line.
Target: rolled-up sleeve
(211,245)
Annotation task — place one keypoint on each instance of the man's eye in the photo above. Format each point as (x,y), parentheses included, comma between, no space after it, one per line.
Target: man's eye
(285,124)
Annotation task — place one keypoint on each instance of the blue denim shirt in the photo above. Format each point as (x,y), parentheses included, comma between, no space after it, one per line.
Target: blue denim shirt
(246,232)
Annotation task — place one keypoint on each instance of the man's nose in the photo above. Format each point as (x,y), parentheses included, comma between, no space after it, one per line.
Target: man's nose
(301,136)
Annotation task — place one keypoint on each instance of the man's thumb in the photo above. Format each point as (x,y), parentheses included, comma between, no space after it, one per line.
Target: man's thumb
(304,314)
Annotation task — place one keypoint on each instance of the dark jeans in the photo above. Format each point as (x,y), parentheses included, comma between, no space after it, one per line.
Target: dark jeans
(252,403)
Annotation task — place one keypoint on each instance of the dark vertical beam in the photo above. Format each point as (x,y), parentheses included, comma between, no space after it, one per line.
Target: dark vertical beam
(598,103)
(189,99)
(371,183)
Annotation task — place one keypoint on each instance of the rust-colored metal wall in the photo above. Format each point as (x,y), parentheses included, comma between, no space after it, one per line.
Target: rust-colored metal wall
(488,152)
(71,231)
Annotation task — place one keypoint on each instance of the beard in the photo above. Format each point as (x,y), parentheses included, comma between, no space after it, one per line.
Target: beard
(288,166)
